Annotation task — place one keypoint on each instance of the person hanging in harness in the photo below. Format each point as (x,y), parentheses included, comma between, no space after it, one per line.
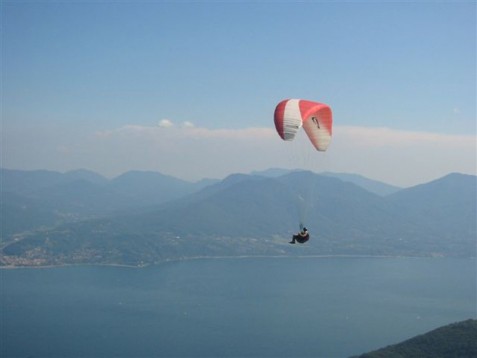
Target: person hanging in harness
(302,237)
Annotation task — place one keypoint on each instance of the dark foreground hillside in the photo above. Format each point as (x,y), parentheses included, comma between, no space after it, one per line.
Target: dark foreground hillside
(455,340)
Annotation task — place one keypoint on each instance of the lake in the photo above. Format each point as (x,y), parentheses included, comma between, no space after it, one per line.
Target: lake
(248,307)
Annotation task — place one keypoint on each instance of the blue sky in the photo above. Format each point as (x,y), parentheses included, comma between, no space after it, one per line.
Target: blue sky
(189,88)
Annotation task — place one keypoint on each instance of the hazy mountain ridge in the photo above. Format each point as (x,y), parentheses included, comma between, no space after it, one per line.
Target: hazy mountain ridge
(82,194)
(432,201)
(373,186)
(242,214)
(370,185)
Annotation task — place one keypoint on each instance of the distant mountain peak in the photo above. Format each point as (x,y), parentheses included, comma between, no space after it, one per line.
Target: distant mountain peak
(371,185)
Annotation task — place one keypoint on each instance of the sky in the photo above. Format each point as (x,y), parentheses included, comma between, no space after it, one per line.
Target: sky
(188,88)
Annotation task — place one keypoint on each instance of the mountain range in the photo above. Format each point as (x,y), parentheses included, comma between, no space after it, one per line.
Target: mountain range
(145,217)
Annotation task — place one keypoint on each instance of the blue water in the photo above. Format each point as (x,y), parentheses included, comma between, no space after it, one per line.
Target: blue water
(261,307)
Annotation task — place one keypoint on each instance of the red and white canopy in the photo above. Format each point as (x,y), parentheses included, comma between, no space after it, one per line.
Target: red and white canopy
(314,117)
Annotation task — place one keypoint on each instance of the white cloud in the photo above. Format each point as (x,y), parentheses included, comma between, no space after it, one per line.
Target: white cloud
(165,123)
(373,137)
(394,156)
(402,158)
(244,134)
(387,137)
(188,124)
(188,130)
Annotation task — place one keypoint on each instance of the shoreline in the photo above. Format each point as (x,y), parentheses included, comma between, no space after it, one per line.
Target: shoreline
(239,257)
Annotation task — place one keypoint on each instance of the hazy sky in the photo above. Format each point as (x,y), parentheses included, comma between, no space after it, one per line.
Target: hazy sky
(189,88)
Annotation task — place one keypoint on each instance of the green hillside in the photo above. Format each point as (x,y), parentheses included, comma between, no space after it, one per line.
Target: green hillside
(457,340)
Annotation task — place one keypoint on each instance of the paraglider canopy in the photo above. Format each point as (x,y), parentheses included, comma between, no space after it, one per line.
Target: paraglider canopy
(314,117)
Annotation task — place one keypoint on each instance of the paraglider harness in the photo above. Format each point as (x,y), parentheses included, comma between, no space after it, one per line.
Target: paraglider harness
(302,237)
